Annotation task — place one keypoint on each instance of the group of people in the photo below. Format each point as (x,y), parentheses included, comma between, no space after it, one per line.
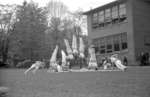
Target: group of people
(113,61)
(66,59)
(72,56)
(55,65)
(34,67)
(109,62)
(144,59)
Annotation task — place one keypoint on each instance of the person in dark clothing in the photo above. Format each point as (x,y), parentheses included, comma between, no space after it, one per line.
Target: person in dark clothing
(144,59)
(125,61)
(107,63)
(147,58)
(141,59)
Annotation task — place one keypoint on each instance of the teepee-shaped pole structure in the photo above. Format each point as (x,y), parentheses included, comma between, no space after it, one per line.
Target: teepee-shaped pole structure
(68,49)
(81,48)
(54,57)
(74,44)
(63,58)
(92,61)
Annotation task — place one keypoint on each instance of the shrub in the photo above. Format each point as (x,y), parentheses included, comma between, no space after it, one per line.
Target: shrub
(24,64)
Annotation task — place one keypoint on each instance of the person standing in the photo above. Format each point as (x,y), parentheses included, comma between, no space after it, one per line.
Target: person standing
(125,61)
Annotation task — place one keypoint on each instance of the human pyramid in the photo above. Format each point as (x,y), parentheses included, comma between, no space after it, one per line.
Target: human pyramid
(70,54)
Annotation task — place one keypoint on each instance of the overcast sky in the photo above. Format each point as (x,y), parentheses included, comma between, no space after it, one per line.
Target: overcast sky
(72,4)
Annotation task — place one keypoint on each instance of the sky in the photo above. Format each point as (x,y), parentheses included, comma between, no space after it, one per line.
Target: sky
(72,5)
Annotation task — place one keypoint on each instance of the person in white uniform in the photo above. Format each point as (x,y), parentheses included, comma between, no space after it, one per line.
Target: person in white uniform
(107,63)
(64,63)
(53,61)
(74,45)
(92,61)
(34,67)
(68,50)
(114,59)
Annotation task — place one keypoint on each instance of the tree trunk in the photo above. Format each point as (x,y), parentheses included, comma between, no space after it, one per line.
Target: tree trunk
(5,46)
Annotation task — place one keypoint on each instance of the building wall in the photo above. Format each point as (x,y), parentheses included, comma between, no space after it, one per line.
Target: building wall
(115,29)
(141,18)
(130,36)
(89,27)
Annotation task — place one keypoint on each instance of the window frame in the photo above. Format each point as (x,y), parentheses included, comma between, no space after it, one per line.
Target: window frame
(95,20)
(115,14)
(107,16)
(122,12)
(116,42)
(109,42)
(101,18)
(102,46)
(124,44)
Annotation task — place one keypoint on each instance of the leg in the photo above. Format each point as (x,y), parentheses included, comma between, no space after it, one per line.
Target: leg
(32,67)
(105,67)
(120,65)
(35,69)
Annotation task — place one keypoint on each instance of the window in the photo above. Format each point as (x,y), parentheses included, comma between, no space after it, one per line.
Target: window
(147,40)
(101,19)
(95,17)
(109,44)
(113,43)
(99,44)
(122,12)
(115,12)
(107,16)
(124,41)
(116,41)
(102,46)
(95,20)
(95,42)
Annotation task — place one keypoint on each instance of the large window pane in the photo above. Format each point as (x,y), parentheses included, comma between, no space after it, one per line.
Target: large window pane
(95,18)
(109,44)
(107,16)
(116,43)
(122,9)
(122,12)
(115,16)
(102,46)
(101,16)
(124,41)
(115,12)
(101,19)
(95,42)
(147,40)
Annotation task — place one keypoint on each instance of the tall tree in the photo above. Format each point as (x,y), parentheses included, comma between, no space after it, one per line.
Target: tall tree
(7,20)
(29,32)
(57,23)
(55,8)
(62,23)
(80,22)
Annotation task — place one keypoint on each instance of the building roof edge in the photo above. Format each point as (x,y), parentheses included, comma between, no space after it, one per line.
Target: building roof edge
(103,6)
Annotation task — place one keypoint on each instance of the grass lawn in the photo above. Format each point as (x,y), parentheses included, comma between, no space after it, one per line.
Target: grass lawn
(135,82)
